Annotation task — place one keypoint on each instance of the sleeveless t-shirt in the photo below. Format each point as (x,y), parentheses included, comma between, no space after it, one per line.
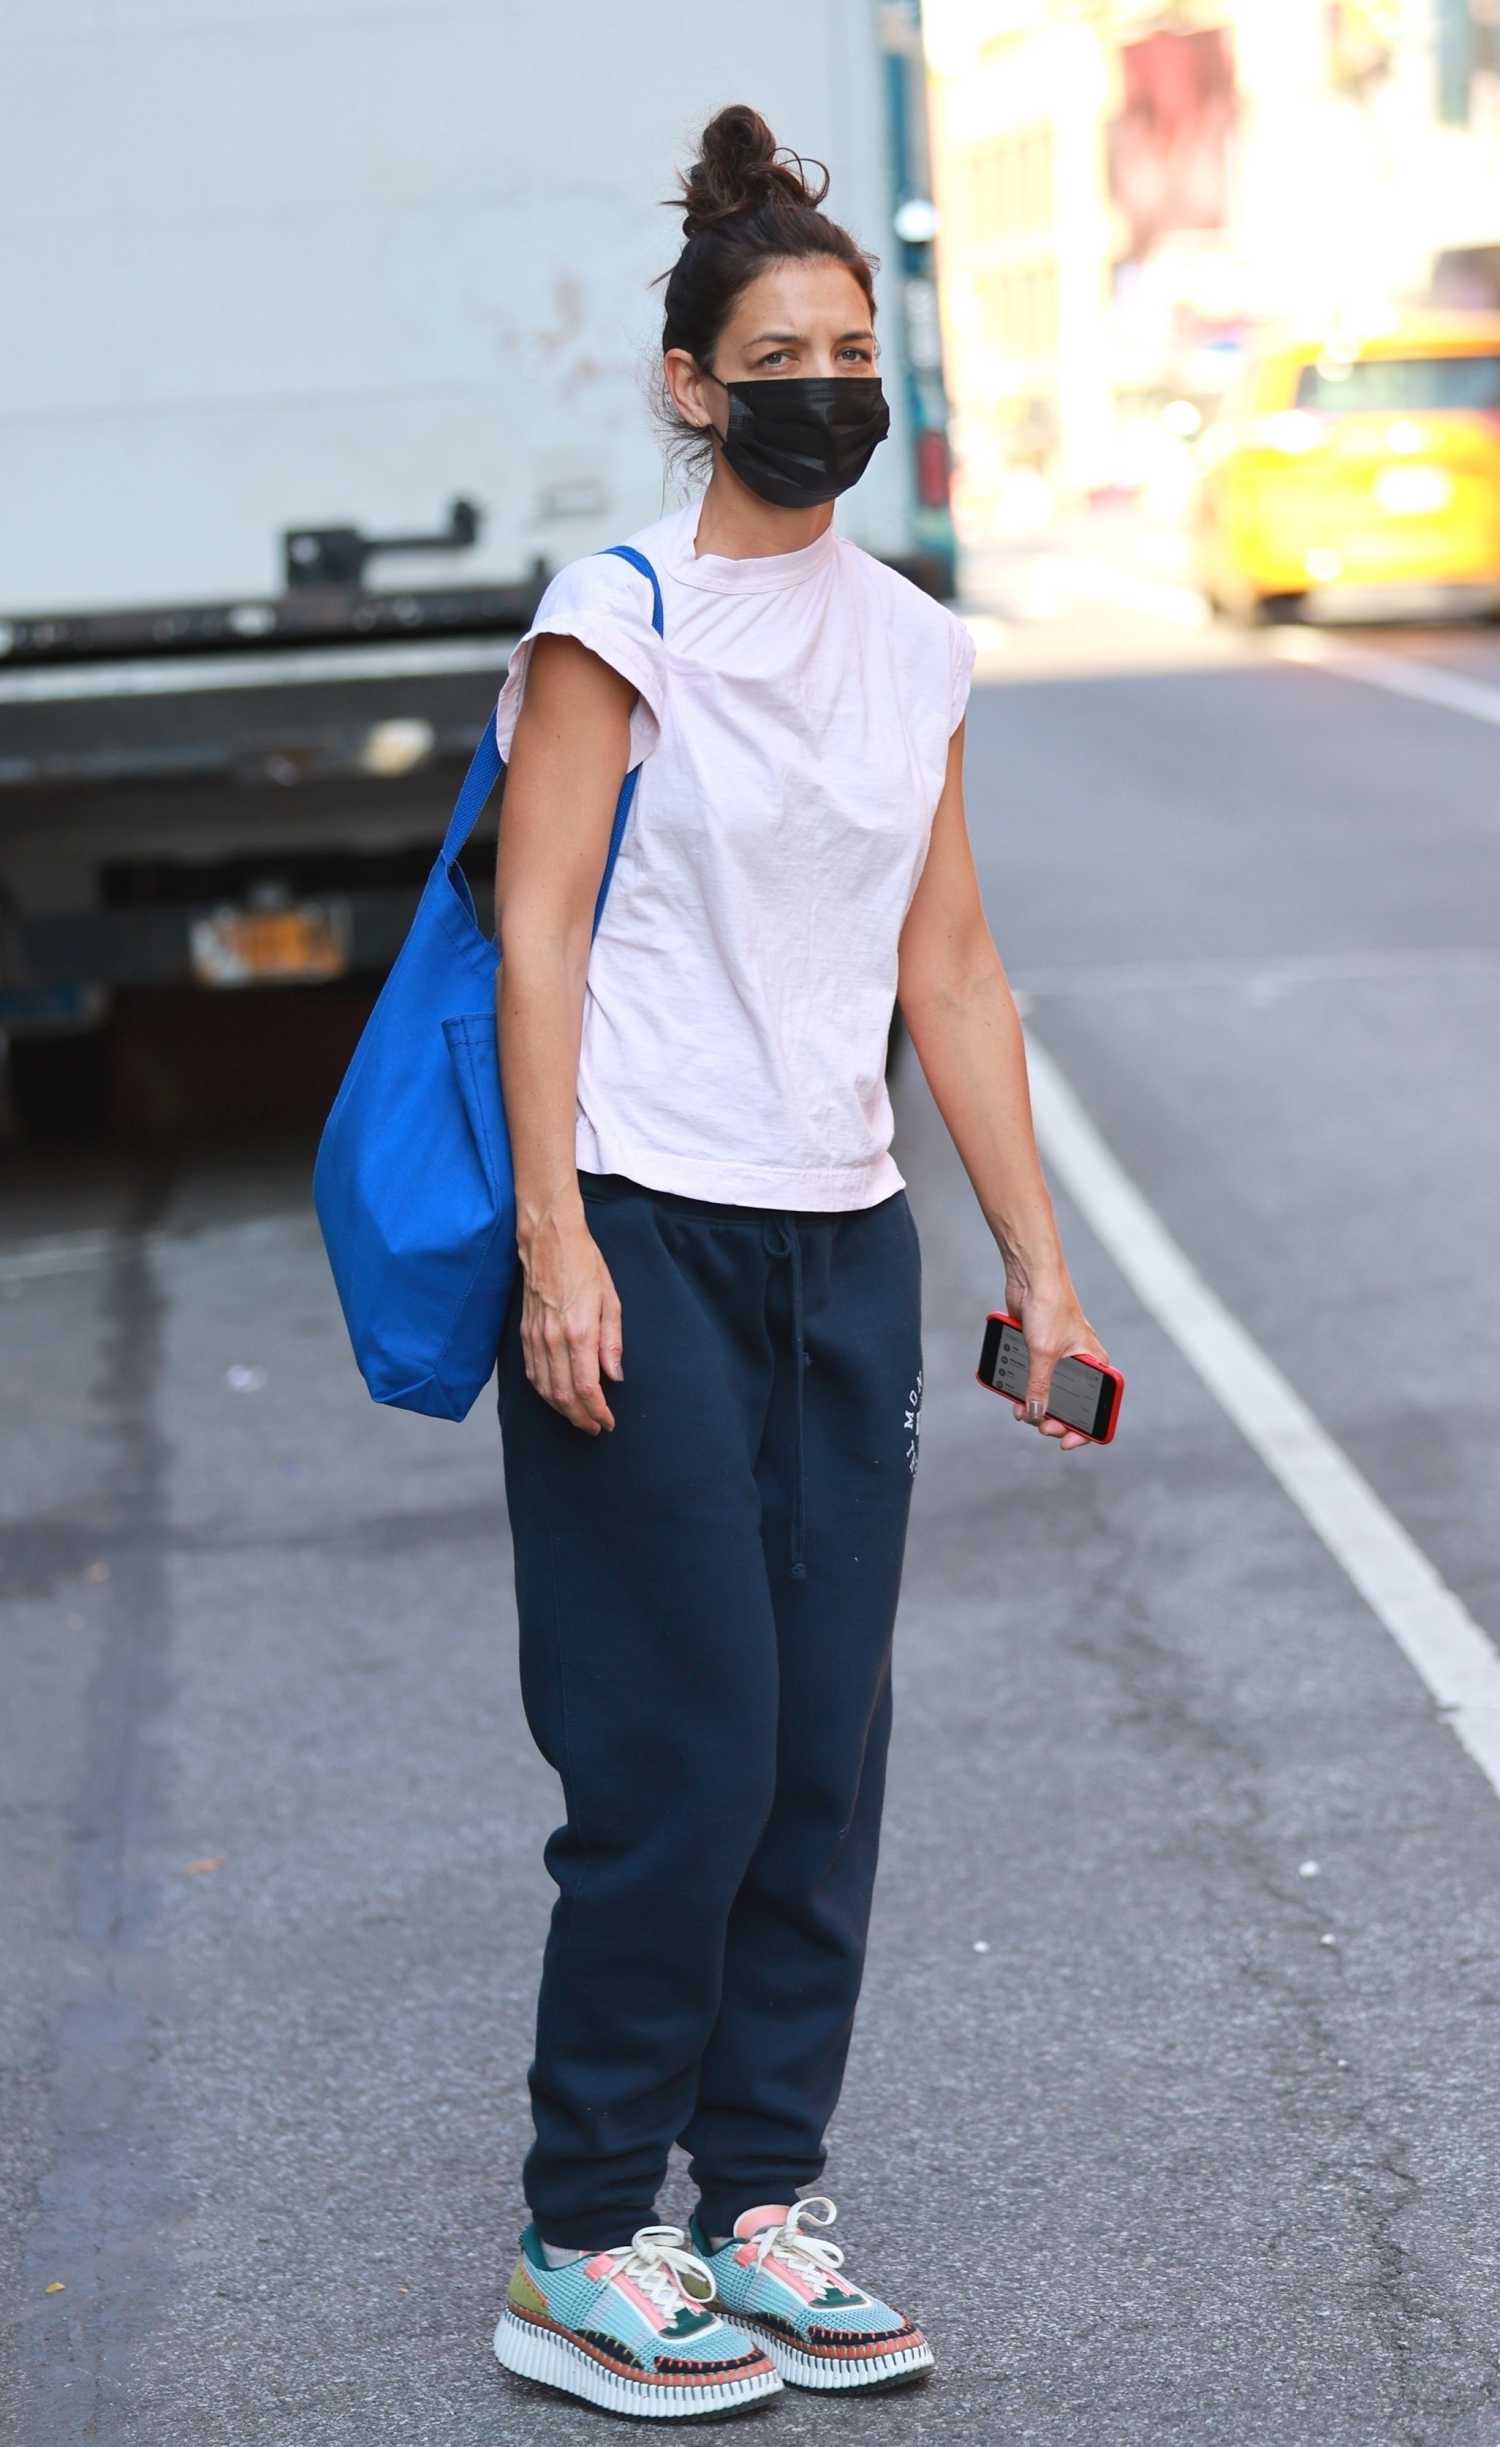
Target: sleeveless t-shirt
(792,729)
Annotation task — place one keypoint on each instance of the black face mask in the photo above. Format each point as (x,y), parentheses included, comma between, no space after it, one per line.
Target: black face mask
(801,439)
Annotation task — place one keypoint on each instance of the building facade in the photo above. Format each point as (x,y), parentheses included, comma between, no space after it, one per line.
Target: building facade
(1129,189)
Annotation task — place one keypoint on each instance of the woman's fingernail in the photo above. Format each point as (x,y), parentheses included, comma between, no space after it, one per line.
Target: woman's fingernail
(1035,1412)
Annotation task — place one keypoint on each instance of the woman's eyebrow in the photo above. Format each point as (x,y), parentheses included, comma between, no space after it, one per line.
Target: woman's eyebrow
(798,336)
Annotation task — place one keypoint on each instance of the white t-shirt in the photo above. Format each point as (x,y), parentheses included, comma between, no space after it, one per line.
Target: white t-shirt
(792,729)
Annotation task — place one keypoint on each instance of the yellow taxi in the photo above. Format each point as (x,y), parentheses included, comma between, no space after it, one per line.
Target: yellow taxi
(1359,467)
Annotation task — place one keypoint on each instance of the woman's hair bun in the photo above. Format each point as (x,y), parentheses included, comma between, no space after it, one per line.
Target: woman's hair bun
(739,169)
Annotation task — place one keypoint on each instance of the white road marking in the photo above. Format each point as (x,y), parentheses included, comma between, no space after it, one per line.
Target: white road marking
(66,1254)
(1428,1622)
(1399,678)
(1258,978)
(1184,608)
(167,678)
(75,1252)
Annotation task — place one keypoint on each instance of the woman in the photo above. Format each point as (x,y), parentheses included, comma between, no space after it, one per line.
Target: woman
(710,1378)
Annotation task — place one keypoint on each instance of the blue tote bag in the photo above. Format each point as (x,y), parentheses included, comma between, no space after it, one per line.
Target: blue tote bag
(413,1182)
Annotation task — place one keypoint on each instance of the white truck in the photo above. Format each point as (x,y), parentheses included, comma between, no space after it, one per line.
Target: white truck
(330,333)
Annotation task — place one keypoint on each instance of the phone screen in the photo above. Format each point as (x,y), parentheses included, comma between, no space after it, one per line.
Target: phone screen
(1080,1395)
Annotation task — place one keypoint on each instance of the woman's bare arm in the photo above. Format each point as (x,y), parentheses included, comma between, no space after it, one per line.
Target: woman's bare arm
(957,1004)
(567,761)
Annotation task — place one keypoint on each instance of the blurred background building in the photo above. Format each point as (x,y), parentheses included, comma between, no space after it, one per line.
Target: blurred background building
(1129,191)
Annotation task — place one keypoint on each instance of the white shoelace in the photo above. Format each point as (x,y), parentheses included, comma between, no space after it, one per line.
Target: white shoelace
(660,2263)
(788,2242)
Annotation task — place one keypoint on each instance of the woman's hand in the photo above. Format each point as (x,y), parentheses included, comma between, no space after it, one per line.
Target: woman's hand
(1055,1328)
(570,1321)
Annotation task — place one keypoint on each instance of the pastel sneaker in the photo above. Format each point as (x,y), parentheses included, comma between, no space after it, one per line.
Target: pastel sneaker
(631,2330)
(783,2285)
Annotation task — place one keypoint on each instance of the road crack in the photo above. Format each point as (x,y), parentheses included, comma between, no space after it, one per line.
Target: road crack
(106,2207)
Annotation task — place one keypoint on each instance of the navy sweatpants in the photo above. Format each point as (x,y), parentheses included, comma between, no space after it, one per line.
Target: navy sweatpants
(706,1602)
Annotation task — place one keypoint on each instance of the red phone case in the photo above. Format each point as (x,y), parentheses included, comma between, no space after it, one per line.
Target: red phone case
(1003,1316)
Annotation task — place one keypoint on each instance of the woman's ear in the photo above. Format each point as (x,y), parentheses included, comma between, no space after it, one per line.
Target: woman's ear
(692,390)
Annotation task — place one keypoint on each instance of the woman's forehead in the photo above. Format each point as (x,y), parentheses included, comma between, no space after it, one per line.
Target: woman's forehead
(810,298)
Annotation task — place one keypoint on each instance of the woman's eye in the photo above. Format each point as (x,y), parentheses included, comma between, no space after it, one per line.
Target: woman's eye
(778,357)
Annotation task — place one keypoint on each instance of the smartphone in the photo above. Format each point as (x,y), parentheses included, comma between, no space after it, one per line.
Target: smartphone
(1085,1395)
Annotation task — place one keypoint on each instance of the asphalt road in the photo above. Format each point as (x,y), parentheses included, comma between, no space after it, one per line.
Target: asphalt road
(1172,2105)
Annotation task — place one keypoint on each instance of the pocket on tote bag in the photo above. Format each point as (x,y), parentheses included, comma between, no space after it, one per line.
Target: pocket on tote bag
(476,1068)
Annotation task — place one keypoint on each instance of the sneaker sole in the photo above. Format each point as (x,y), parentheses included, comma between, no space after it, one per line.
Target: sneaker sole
(553,2361)
(873,2374)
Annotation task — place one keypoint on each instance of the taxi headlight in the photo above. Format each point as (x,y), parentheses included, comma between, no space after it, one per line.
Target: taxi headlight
(1412,491)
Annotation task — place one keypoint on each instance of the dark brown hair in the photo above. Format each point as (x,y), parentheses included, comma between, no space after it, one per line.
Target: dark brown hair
(746,202)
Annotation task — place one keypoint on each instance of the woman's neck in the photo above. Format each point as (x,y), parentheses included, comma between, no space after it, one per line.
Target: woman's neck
(736,523)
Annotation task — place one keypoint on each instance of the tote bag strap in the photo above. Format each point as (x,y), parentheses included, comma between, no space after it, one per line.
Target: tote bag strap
(486,763)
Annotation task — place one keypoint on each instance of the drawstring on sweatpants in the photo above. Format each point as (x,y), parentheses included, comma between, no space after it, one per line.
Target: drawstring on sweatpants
(782,1241)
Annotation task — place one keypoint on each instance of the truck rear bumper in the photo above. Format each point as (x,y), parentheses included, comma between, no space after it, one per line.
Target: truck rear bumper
(234,823)
(51,953)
